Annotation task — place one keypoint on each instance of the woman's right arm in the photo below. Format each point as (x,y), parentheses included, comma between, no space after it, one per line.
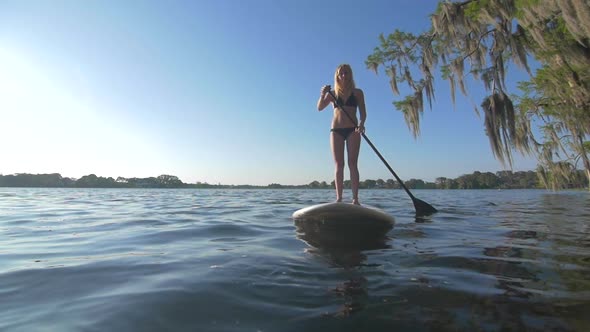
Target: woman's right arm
(325,97)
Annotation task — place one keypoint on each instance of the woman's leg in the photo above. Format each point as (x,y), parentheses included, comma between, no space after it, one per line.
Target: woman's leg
(353,146)
(337,144)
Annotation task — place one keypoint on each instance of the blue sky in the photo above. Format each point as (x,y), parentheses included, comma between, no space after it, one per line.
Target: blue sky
(217,91)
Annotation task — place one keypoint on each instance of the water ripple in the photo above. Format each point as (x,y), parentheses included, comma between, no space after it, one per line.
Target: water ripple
(231,260)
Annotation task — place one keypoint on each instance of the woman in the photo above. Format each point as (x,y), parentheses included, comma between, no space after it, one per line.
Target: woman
(346,129)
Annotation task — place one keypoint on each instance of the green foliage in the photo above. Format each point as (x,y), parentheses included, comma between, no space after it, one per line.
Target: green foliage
(370,183)
(473,9)
(314,185)
(39,180)
(481,37)
(168,181)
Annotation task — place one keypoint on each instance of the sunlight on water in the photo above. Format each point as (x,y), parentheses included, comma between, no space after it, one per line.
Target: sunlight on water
(232,260)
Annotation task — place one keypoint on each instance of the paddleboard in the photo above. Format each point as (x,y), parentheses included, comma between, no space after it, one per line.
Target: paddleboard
(342,223)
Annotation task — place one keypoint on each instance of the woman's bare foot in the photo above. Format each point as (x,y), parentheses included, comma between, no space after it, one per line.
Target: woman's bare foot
(356,201)
(339,200)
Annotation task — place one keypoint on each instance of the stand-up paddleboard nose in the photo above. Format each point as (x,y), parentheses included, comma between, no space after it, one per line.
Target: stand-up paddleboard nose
(343,225)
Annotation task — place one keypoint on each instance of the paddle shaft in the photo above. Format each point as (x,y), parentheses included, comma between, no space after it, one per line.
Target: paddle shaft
(375,149)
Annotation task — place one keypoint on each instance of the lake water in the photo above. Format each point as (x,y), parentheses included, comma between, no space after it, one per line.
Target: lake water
(232,260)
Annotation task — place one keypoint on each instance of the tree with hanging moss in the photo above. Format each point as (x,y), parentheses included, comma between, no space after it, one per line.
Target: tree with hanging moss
(548,118)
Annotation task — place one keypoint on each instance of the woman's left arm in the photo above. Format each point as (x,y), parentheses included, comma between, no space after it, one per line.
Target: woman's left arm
(362,110)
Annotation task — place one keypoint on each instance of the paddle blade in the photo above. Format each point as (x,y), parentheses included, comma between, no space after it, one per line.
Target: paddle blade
(423,208)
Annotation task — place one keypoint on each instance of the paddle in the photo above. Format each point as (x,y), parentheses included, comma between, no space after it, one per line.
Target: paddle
(422,208)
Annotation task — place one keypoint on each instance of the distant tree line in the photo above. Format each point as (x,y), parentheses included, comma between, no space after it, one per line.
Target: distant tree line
(476,180)
(55,180)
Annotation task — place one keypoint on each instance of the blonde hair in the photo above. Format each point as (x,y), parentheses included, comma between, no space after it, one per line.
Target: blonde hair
(343,90)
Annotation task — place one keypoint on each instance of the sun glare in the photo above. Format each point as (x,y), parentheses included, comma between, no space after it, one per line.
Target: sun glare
(46,128)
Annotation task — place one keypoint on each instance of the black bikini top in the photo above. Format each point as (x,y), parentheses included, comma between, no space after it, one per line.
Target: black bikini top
(351,101)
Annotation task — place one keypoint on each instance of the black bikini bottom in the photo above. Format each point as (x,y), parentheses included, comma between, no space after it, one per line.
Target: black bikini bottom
(344,132)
